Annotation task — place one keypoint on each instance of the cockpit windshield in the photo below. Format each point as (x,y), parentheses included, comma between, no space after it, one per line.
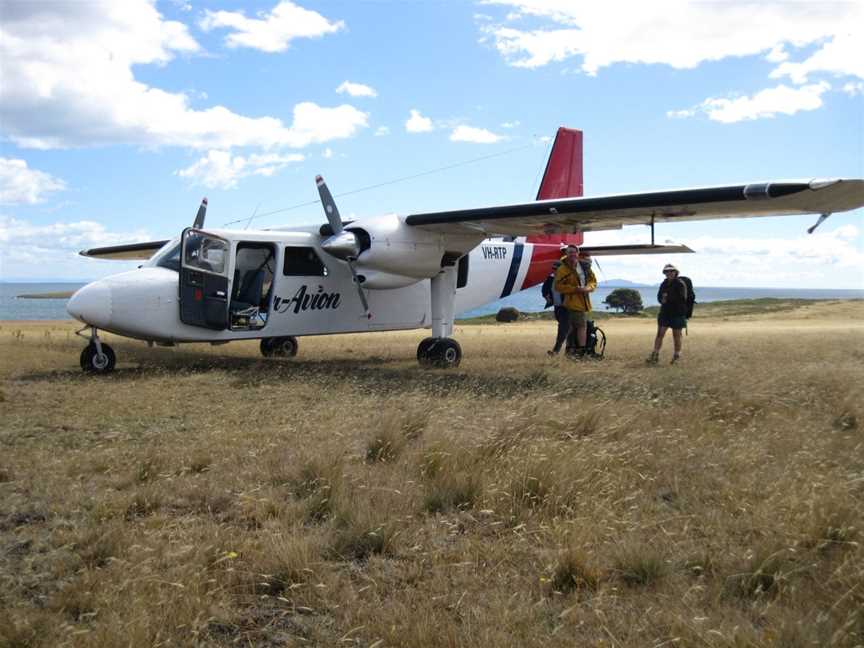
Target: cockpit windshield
(168,256)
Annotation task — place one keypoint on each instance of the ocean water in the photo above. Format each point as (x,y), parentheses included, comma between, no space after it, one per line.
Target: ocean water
(532,301)
(529,300)
(12,308)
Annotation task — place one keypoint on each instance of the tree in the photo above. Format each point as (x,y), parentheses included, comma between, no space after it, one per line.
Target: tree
(626,299)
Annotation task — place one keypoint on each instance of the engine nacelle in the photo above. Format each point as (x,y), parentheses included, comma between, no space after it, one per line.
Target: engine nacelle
(377,280)
(394,248)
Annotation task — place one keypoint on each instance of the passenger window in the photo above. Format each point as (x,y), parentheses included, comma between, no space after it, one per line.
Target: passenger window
(303,262)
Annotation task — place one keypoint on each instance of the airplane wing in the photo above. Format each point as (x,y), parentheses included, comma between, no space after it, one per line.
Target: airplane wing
(613,212)
(139,251)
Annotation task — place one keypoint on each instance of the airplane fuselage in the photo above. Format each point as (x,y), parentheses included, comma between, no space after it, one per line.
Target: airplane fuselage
(145,303)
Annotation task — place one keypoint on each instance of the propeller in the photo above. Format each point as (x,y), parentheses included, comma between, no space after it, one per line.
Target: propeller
(341,244)
(202,213)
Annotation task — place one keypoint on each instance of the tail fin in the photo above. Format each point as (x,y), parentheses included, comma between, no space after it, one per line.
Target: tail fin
(562,179)
(563,175)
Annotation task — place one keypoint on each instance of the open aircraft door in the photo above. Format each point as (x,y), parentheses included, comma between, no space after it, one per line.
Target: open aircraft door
(204,275)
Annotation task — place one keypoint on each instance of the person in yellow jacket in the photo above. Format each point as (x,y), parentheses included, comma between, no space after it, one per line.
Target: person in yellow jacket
(575,280)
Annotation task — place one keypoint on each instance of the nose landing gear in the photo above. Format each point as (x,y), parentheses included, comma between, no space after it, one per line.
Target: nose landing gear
(97,357)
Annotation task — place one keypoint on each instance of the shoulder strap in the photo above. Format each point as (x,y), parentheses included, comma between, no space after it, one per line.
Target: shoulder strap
(684,285)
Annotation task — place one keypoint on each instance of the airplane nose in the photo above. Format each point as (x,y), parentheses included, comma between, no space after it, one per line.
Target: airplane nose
(92,304)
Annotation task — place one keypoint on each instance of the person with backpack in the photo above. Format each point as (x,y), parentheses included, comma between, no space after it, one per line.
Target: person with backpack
(676,299)
(575,280)
(562,316)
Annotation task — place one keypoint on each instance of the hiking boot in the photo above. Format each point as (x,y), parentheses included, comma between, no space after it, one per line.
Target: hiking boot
(675,358)
(653,358)
(552,352)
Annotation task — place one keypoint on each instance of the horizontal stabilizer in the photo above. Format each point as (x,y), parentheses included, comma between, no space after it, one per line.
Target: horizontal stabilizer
(130,252)
(620,250)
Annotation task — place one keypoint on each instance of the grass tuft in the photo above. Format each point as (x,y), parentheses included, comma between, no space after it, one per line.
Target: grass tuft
(574,571)
(453,489)
(200,464)
(98,547)
(639,565)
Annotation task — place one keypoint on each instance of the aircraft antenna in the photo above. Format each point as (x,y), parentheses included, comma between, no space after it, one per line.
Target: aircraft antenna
(388,182)
(252,217)
(535,187)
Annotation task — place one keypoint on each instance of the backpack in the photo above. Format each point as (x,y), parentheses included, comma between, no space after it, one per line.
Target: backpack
(546,290)
(595,341)
(691,296)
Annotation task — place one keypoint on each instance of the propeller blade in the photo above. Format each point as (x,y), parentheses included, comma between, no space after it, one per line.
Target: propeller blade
(360,290)
(329,205)
(202,213)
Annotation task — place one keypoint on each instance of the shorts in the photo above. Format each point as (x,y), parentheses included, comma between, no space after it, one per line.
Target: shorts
(675,322)
(578,318)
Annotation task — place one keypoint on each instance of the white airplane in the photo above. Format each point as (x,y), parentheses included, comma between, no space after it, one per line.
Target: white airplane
(395,271)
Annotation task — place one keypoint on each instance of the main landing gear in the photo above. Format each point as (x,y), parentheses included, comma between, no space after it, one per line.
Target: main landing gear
(279,347)
(97,357)
(441,350)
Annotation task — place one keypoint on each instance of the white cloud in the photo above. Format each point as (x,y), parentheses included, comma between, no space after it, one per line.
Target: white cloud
(770,102)
(68,81)
(417,123)
(220,169)
(327,154)
(270,32)
(21,184)
(854,88)
(474,135)
(778,54)
(510,124)
(681,37)
(356,89)
(35,251)
(843,55)
(381,131)
(797,262)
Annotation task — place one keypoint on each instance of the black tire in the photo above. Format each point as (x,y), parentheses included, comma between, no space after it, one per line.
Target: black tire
(445,353)
(423,350)
(91,362)
(267,347)
(280,347)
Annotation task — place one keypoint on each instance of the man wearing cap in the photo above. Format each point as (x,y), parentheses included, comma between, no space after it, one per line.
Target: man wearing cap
(575,280)
(673,298)
(562,315)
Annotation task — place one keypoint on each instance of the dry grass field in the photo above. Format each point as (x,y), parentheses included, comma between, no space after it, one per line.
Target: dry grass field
(207,496)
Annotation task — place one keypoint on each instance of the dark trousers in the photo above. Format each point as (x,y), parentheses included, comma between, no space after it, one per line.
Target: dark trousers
(563,317)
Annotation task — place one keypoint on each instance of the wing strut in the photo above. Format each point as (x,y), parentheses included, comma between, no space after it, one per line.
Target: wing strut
(821,220)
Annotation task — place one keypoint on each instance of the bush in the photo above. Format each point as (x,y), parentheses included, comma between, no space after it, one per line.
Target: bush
(507,314)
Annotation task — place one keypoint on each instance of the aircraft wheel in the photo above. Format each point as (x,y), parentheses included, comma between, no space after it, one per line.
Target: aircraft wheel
(94,362)
(281,347)
(444,353)
(423,356)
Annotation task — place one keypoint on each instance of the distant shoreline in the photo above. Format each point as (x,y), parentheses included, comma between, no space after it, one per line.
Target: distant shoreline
(706,310)
(63,294)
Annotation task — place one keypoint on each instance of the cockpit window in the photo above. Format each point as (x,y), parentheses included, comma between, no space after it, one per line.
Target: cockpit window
(204,252)
(168,257)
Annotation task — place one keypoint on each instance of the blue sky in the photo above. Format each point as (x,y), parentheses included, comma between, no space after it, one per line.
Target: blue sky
(116,118)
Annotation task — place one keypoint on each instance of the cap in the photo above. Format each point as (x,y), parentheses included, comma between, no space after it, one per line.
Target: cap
(669,267)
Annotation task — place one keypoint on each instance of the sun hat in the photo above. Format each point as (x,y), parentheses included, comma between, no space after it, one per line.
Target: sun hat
(669,267)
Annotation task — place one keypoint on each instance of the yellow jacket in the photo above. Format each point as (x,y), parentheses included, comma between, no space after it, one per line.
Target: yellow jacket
(566,283)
